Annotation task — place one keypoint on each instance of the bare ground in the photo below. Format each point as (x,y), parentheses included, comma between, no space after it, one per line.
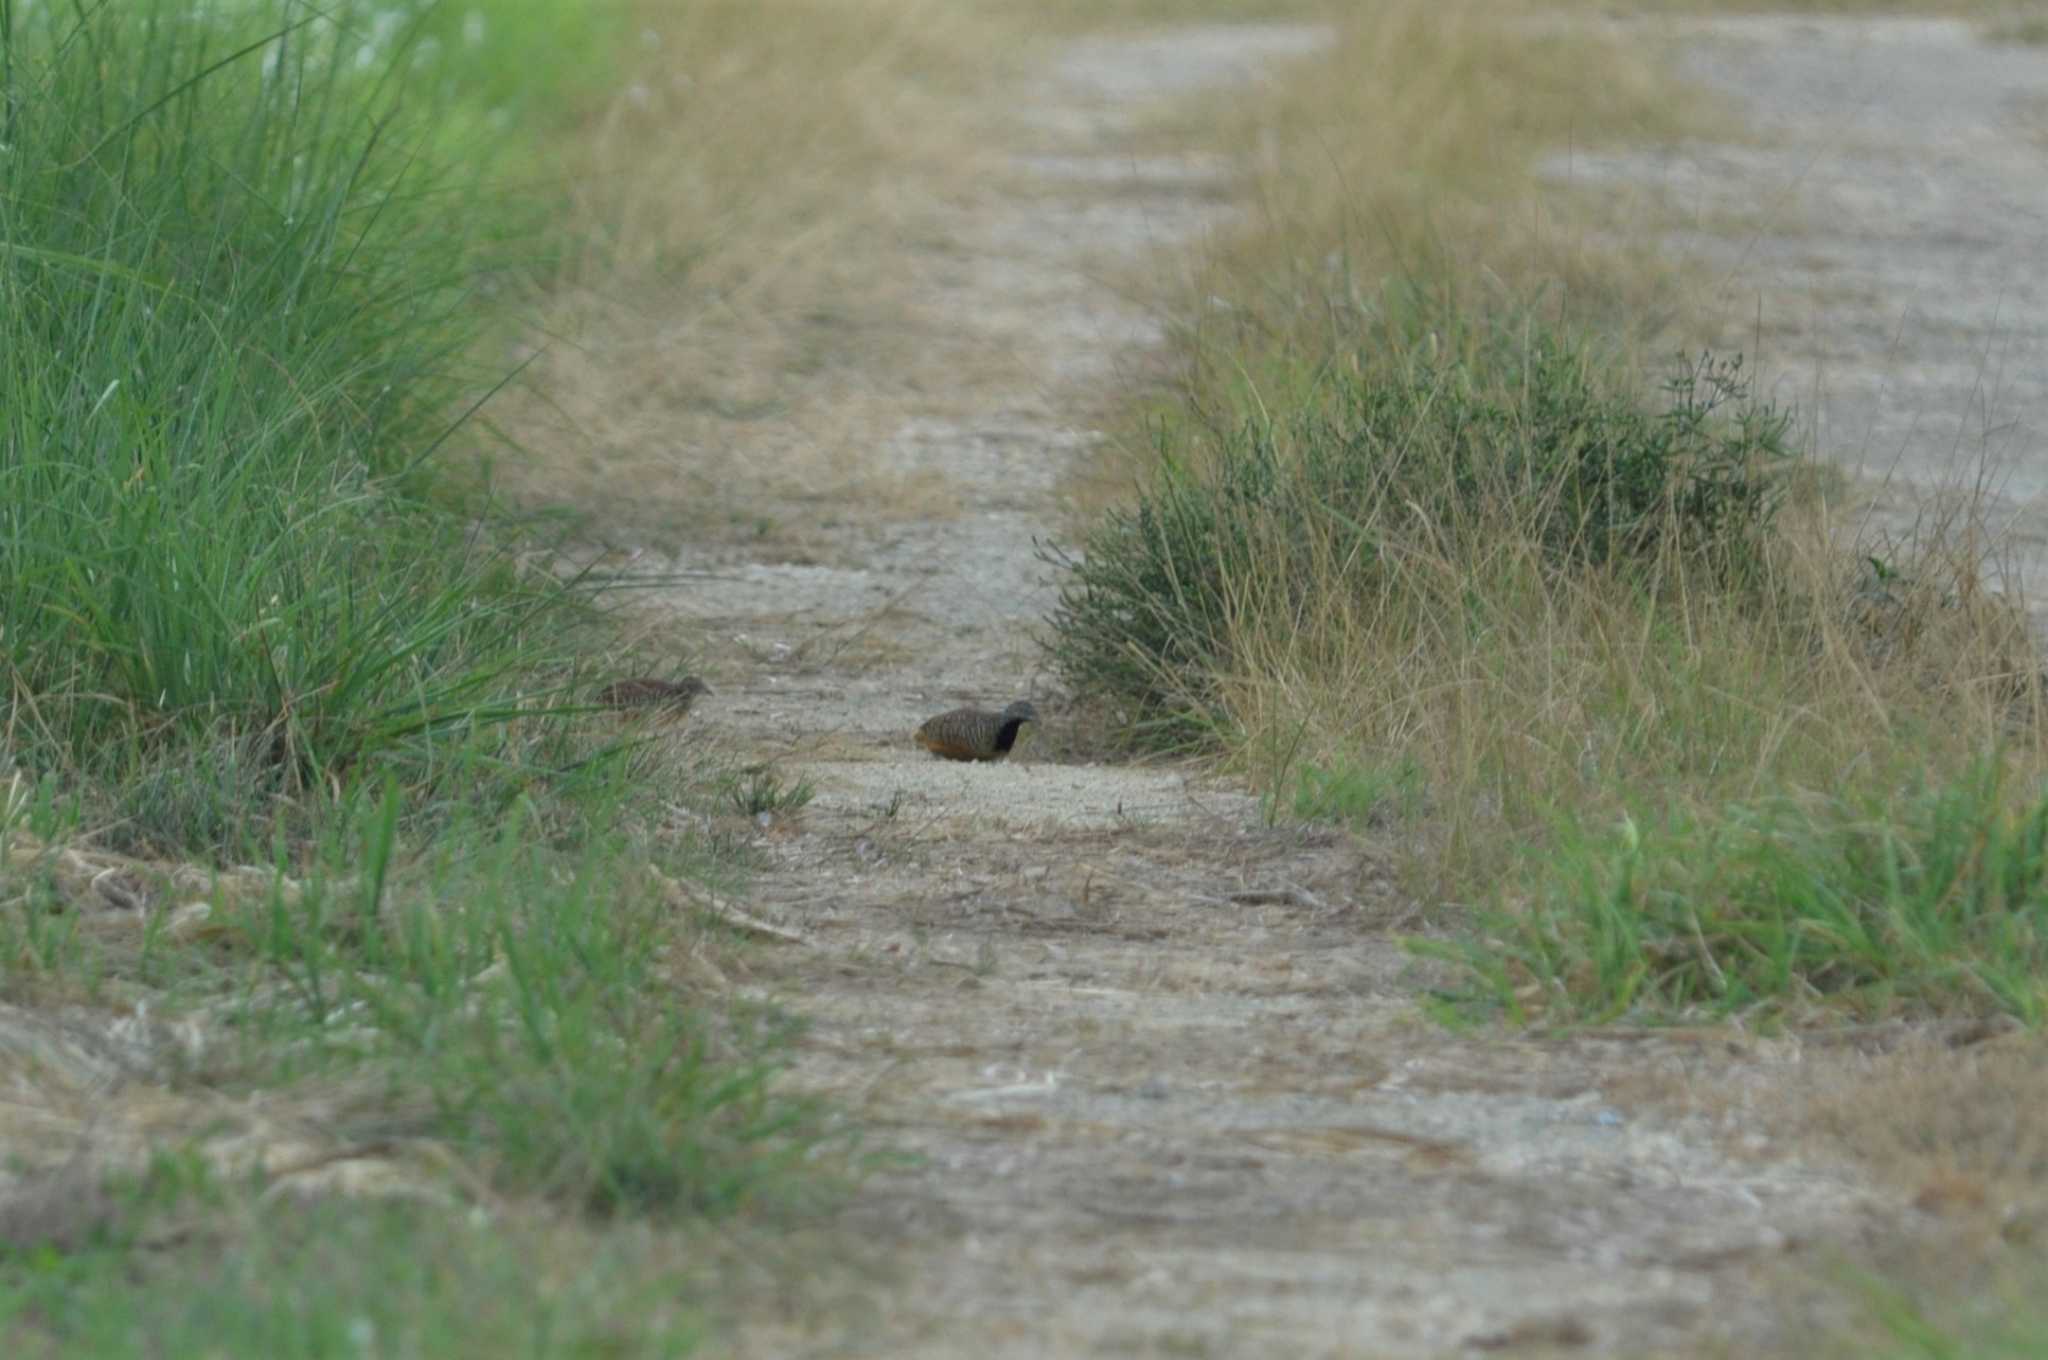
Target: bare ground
(1160,1067)
(1877,221)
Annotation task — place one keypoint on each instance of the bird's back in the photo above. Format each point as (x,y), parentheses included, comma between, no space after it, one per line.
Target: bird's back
(974,733)
(671,697)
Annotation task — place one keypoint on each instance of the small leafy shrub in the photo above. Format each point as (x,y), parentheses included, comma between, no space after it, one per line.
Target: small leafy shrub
(1519,441)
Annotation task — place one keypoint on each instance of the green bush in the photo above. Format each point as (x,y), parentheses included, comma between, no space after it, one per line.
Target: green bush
(1521,438)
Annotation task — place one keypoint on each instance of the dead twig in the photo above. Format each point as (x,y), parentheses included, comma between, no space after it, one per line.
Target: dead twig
(1285,895)
(723,912)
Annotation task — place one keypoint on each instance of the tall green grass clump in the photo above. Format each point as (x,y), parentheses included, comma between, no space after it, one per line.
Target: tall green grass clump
(239,278)
(1443,452)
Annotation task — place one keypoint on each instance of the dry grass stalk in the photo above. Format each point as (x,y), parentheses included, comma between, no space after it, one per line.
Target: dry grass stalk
(725,913)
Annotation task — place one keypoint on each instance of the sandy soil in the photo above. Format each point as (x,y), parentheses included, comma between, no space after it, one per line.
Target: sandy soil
(1160,1067)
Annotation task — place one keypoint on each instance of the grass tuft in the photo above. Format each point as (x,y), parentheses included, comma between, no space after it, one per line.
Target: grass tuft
(1358,795)
(1935,901)
(758,789)
(1437,452)
(238,295)
(342,1280)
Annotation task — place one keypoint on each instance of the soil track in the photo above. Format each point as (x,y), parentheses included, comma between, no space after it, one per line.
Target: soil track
(1162,1066)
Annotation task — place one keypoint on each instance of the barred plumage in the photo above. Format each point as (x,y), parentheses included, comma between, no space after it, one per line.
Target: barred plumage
(669,699)
(975,733)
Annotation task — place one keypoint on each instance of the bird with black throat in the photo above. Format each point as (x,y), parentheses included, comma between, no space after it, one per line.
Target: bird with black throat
(975,733)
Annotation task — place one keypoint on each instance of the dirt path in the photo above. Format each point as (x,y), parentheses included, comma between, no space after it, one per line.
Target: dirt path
(1162,1066)
(1892,176)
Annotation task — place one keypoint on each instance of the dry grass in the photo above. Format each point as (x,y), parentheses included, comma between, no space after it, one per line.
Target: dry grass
(753,322)
(1944,1115)
(1410,149)
(1955,1129)
(152,1003)
(1973,9)
(1524,697)
(106,1067)
(1410,153)
(1955,1133)
(752,204)
(767,207)
(1998,21)
(1944,1121)
(2031,29)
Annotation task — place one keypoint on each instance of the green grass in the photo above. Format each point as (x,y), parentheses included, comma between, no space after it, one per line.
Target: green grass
(2031,31)
(757,789)
(1980,9)
(1356,794)
(494,993)
(504,71)
(347,1280)
(1462,558)
(254,613)
(1933,901)
(492,1020)
(1412,518)
(239,295)
(530,1026)
(1996,1319)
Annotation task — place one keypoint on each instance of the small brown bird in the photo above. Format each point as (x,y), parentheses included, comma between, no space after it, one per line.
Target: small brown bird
(668,699)
(975,733)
